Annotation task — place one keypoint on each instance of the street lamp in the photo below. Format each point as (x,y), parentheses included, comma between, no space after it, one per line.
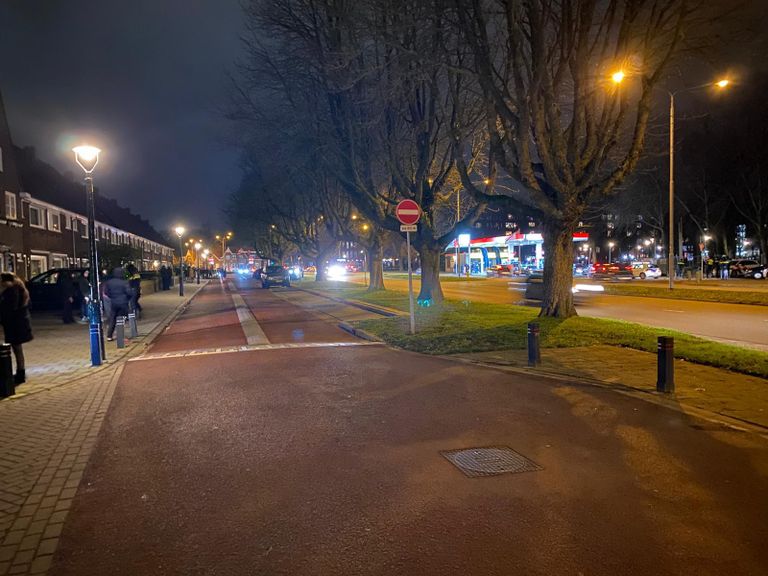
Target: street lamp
(180,233)
(223,238)
(721,84)
(87,157)
(197,259)
(610,251)
(205,258)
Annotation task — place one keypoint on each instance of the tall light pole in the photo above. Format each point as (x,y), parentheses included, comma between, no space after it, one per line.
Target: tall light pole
(721,84)
(87,157)
(223,239)
(610,251)
(197,259)
(180,233)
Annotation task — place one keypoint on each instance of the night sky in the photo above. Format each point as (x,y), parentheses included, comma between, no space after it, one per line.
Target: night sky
(145,80)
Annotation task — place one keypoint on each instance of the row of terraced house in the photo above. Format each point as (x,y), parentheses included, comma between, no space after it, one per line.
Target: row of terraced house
(43,223)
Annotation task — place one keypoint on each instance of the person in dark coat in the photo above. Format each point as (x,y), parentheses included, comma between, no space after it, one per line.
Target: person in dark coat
(15,318)
(118,291)
(68,293)
(84,296)
(134,280)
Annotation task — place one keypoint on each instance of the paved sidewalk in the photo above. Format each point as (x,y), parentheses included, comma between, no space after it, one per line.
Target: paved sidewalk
(47,438)
(60,352)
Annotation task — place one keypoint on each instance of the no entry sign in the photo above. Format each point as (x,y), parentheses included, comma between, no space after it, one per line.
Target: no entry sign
(408,212)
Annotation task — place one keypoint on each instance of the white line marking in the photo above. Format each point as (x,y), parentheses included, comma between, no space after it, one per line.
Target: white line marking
(256,348)
(253,332)
(678,311)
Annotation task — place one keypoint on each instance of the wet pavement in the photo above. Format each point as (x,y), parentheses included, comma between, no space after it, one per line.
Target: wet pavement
(326,459)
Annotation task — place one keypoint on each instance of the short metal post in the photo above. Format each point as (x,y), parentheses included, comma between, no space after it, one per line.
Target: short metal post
(534,351)
(665,374)
(94,317)
(132,323)
(7,385)
(120,331)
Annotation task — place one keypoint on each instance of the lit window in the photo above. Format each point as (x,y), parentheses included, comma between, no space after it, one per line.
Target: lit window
(54,221)
(10,205)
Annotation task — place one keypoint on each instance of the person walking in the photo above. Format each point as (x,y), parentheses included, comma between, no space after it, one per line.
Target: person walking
(84,287)
(118,292)
(15,318)
(134,280)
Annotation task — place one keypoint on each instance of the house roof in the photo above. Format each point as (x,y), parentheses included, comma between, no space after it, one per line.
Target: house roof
(43,182)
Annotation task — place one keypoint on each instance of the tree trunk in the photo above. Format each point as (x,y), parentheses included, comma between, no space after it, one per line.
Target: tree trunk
(375,268)
(558,271)
(431,292)
(320,274)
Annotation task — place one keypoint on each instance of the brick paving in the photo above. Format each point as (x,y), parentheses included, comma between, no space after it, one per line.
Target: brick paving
(60,353)
(49,428)
(48,440)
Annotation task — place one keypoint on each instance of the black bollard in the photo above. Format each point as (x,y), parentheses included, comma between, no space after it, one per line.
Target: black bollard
(7,385)
(120,330)
(534,352)
(665,362)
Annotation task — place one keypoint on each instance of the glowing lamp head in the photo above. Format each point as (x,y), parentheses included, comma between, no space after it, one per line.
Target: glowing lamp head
(179,231)
(617,77)
(198,245)
(87,157)
(722,83)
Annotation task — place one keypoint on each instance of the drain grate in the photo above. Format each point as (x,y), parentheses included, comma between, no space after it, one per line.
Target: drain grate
(490,461)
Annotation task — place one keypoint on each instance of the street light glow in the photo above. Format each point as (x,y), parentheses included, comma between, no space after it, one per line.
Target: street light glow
(617,77)
(179,231)
(87,157)
(722,83)
(197,245)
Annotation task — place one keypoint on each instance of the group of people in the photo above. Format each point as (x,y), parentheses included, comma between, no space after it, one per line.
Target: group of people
(119,293)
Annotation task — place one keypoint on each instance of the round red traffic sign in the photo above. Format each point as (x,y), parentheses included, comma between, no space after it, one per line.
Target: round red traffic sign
(408,212)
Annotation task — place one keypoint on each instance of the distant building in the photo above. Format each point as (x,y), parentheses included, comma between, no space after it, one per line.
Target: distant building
(43,223)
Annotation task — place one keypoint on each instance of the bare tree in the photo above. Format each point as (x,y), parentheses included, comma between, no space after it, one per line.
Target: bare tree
(559,128)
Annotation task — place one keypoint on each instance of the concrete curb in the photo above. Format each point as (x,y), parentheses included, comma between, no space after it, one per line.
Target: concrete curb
(636,393)
(137,347)
(383,310)
(347,327)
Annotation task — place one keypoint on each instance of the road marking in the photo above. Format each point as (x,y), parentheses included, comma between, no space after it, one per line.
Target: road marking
(678,311)
(253,333)
(251,348)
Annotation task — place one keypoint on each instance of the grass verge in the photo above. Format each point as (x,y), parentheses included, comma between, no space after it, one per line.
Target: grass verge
(698,294)
(461,327)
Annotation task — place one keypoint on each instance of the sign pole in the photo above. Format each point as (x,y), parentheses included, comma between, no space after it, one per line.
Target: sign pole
(410,284)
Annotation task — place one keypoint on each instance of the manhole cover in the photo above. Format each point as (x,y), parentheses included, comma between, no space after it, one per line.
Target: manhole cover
(476,462)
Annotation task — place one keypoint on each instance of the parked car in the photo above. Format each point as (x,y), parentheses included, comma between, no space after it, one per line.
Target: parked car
(617,270)
(645,270)
(274,275)
(744,268)
(46,290)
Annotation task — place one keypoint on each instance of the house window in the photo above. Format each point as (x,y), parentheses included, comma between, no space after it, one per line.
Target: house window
(59,261)
(10,205)
(37,265)
(36,217)
(84,228)
(67,222)
(54,221)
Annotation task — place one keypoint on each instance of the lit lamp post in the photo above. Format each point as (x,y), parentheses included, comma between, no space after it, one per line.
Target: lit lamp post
(180,233)
(197,259)
(87,157)
(702,249)
(205,258)
(610,251)
(223,238)
(617,77)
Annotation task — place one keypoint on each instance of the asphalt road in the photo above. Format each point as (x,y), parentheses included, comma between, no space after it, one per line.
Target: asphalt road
(317,454)
(732,323)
